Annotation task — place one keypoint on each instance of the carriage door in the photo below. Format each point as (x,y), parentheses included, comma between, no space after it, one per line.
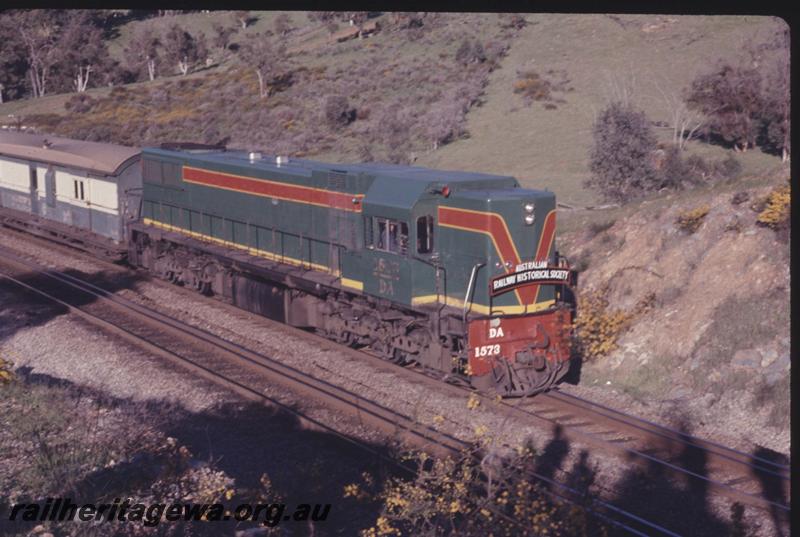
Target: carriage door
(50,187)
(34,184)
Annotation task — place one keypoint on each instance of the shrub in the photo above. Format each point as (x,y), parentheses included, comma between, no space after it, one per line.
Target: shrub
(470,51)
(595,228)
(620,161)
(495,51)
(532,86)
(731,98)
(516,22)
(6,374)
(675,172)
(691,220)
(79,104)
(728,168)
(740,197)
(776,212)
(449,496)
(597,326)
(338,112)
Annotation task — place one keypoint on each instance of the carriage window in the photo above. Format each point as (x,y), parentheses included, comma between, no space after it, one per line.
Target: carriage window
(78,189)
(425,234)
(392,236)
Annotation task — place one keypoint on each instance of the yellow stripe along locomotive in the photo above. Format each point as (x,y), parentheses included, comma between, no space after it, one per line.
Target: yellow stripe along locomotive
(456,271)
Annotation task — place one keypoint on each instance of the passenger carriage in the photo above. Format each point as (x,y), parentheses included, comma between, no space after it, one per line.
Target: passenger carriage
(82,193)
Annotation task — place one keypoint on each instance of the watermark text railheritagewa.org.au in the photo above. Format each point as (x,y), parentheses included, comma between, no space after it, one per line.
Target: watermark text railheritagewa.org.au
(64,509)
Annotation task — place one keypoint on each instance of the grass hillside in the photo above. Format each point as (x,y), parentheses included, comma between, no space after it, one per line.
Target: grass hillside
(406,89)
(549,148)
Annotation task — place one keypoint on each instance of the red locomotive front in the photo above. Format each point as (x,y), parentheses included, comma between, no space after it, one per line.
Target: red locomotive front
(523,354)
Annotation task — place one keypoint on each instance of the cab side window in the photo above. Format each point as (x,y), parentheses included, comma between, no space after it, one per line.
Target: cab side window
(390,235)
(424,234)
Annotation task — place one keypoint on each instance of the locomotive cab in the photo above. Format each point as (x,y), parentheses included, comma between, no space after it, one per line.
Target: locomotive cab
(517,302)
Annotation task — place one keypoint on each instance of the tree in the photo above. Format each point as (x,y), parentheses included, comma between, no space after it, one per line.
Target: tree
(321,16)
(731,98)
(143,51)
(408,20)
(13,65)
(242,17)
(268,62)
(183,50)
(84,49)
(777,95)
(777,107)
(356,18)
(621,159)
(222,35)
(326,18)
(39,34)
(685,123)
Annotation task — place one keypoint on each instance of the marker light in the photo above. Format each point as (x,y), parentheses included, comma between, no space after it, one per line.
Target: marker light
(529,218)
(445,191)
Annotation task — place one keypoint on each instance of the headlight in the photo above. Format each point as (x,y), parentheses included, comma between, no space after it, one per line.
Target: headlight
(529,208)
(529,219)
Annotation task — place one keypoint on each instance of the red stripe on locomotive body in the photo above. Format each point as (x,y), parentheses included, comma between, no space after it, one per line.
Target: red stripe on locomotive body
(494,225)
(272,189)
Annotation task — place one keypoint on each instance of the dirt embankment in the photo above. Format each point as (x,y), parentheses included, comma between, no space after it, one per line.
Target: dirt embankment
(715,334)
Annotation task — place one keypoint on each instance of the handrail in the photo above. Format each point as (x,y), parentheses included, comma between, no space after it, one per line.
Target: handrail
(467,301)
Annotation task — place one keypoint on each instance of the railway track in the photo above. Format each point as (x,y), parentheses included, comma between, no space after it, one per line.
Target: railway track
(751,479)
(755,479)
(224,364)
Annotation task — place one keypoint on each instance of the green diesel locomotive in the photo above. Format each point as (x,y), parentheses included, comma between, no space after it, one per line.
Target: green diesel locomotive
(455,271)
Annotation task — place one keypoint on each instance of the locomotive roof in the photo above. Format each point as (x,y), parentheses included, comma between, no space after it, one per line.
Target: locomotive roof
(305,167)
(100,158)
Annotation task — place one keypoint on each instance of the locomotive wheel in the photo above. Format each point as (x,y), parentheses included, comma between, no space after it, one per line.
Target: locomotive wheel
(345,338)
(400,357)
(383,348)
